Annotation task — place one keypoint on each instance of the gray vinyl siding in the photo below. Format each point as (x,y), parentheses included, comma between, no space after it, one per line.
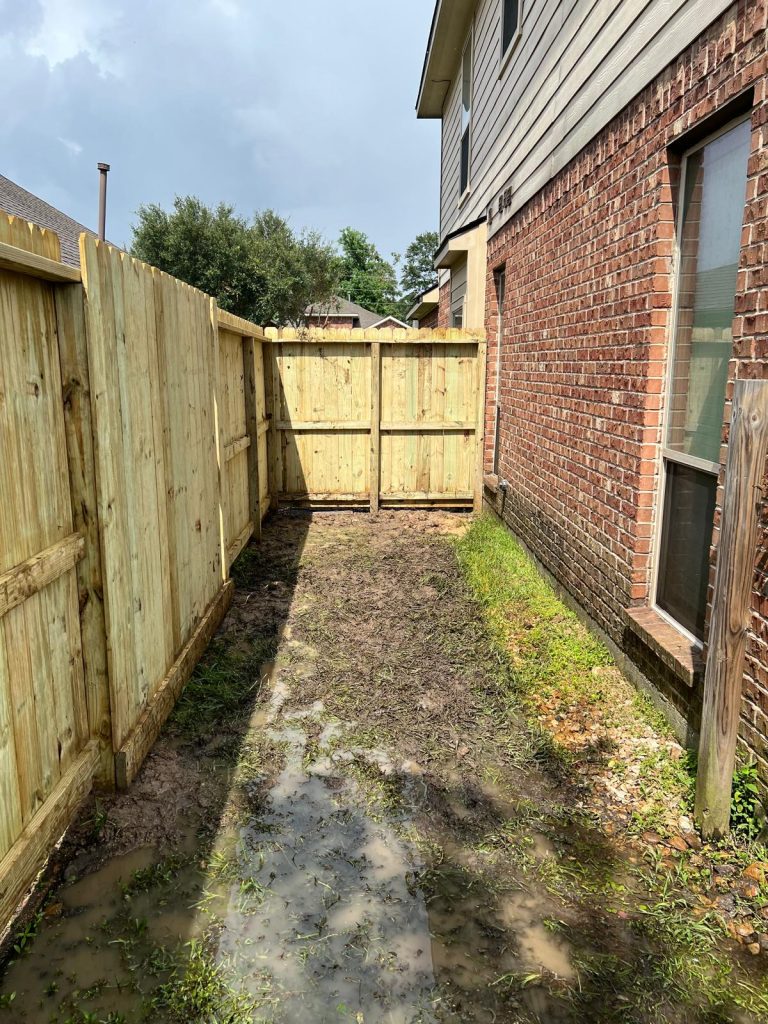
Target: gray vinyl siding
(576,65)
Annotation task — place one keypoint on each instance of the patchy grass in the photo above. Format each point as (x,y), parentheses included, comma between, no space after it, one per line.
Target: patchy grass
(224,682)
(588,717)
(200,990)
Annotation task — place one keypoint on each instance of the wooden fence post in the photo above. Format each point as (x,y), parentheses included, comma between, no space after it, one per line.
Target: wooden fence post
(482,356)
(730,607)
(274,456)
(375,469)
(250,385)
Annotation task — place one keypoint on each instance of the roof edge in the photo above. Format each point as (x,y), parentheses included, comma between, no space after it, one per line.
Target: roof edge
(450,24)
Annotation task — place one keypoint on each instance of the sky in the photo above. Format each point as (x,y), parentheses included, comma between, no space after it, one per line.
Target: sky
(304,106)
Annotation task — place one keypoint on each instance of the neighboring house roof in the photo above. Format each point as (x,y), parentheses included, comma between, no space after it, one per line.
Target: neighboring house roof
(389,321)
(343,309)
(19,203)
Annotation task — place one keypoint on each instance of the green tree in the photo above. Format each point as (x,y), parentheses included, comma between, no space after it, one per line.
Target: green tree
(366,277)
(262,271)
(418,274)
(210,249)
(292,271)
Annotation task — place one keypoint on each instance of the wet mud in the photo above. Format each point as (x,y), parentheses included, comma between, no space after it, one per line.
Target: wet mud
(366,833)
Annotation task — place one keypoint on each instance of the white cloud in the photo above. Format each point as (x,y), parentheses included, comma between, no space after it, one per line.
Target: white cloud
(70,28)
(72,147)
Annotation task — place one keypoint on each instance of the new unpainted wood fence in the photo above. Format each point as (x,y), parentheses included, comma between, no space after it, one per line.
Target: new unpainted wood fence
(144,435)
(385,419)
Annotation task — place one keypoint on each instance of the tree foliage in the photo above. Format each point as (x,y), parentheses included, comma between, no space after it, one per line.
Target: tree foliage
(366,277)
(262,271)
(418,274)
(270,274)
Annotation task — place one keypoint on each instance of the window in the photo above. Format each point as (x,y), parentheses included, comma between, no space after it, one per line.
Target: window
(713,195)
(458,293)
(510,24)
(501,284)
(466,115)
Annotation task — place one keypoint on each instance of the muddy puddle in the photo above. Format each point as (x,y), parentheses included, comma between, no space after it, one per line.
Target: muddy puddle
(351,839)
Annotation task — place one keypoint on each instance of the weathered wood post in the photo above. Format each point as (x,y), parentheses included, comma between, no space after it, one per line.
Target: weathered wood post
(730,607)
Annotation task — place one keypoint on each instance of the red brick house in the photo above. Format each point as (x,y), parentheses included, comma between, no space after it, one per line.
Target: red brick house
(604,217)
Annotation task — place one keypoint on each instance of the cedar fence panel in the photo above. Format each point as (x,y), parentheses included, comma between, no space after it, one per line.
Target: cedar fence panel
(390,418)
(243,425)
(46,757)
(154,372)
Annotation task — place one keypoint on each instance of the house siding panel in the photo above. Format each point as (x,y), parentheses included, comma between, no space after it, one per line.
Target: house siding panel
(575,66)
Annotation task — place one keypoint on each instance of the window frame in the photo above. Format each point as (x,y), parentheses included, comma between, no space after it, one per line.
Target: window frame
(469,47)
(505,55)
(500,283)
(667,454)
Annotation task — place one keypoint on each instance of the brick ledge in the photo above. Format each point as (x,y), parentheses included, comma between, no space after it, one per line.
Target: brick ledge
(671,646)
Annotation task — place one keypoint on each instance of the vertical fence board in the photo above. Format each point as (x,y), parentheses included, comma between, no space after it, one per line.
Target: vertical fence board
(73,358)
(748,440)
(44,725)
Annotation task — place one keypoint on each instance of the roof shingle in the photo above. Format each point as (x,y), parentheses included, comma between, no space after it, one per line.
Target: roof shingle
(19,203)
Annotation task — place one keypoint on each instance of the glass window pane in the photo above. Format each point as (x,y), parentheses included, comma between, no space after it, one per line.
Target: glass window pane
(689,510)
(466,87)
(511,17)
(464,162)
(713,213)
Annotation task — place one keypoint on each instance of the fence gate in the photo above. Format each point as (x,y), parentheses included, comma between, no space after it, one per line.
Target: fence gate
(379,418)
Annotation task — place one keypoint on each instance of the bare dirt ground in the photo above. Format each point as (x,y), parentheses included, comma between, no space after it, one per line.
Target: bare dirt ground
(345,821)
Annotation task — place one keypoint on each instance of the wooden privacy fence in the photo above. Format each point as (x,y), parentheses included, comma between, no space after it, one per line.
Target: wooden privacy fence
(382,418)
(144,435)
(132,440)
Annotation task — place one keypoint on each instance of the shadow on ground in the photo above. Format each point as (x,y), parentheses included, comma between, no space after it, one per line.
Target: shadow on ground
(346,821)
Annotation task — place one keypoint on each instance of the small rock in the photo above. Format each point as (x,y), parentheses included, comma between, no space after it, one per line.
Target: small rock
(745,931)
(750,890)
(754,948)
(726,904)
(651,837)
(756,872)
(724,870)
(693,840)
(685,824)
(678,843)
(764,942)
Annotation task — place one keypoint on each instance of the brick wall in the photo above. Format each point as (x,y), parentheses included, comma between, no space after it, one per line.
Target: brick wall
(586,322)
(431,321)
(444,308)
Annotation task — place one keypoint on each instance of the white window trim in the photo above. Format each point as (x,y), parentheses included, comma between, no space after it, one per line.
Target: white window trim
(505,56)
(470,44)
(667,454)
